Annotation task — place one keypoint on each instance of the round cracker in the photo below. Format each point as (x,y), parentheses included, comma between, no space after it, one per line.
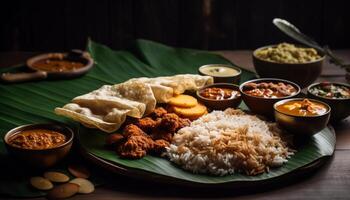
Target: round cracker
(41,183)
(184,101)
(86,186)
(63,191)
(56,177)
(191,113)
(79,171)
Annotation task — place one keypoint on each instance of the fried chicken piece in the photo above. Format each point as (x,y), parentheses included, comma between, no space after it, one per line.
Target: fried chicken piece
(132,129)
(159,133)
(135,147)
(137,143)
(146,124)
(159,146)
(170,122)
(158,113)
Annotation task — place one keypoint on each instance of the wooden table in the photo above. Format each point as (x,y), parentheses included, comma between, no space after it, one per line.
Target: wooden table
(332,181)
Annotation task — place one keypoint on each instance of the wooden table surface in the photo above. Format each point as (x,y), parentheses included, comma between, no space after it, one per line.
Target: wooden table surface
(331,181)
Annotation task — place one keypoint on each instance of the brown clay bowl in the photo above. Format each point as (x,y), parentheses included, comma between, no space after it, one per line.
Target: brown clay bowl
(214,104)
(301,73)
(301,125)
(264,106)
(340,107)
(42,158)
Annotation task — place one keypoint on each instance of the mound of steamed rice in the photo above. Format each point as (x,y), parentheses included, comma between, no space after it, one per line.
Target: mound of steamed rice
(225,142)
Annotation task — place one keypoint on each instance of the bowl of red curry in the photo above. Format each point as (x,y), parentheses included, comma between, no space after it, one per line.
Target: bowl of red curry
(219,96)
(39,145)
(261,94)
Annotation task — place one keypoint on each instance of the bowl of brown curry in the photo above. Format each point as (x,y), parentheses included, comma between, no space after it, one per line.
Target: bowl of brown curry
(39,145)
(261,94)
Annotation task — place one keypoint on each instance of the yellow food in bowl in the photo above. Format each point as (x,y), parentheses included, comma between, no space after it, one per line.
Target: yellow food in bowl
(288,53)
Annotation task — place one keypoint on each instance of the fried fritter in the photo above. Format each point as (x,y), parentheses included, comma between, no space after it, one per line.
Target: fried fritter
(150,134)
(146,124)
(172,122)
(158,113)
(136,146)
(159,146)
(137,143)
(159,133)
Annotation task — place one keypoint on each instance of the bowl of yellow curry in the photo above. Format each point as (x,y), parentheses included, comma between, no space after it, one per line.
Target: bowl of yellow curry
(39,145)
(295,63)
(303,117)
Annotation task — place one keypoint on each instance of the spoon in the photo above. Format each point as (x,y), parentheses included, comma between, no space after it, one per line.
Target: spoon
(292,31)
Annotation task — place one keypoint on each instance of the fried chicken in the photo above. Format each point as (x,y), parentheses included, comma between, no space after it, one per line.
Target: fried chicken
(146,124)
(163,134)
(137,143)
(173,122)
(149,134)
(159,146)
(158,113)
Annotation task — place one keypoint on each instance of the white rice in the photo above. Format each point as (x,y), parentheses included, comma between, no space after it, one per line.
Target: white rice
(225,142)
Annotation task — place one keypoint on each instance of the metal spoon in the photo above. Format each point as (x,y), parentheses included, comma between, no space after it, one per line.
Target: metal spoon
(292,31)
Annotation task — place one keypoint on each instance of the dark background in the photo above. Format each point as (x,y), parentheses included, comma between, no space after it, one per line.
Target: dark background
(32,25)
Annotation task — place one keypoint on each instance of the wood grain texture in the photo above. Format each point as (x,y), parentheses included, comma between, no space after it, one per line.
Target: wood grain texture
(203,24)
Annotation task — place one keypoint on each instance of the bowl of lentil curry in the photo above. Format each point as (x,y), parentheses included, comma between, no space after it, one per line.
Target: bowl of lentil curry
(295,63)
(39,145)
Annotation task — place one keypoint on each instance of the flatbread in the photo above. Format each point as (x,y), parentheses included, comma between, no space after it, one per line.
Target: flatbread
(107,107)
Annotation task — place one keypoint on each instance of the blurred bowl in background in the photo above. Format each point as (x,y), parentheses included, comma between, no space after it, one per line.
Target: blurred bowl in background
(301,73)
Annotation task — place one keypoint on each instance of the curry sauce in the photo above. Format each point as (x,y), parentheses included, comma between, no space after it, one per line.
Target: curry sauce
(57,65)
(37,139)
(303,107)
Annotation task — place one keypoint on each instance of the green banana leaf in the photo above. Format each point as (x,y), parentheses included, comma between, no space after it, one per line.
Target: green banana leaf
(34,102)
(167,61)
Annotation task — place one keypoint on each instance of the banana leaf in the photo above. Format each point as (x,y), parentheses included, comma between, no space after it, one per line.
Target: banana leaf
(166,61)
(34,102)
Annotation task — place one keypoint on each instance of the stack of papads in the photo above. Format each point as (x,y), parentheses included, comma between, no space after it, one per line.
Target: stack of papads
(107,107)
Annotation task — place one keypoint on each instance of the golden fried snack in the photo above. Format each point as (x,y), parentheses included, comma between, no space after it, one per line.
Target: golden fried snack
(191,113)
(146,124)
(158,113)
(137,143)
(159,146)
(184,101)
(161,134)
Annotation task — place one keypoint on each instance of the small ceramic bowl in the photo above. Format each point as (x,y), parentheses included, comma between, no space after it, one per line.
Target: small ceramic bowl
(302,125)
(42,158)
(226,77)
(340,107)
(301,73)
(264,106)
(214,104)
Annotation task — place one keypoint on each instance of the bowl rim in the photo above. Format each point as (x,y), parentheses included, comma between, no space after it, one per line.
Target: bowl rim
(270,79)
(327,98)
(294,99)
(221,65)
(18,129)
(218,84)
(323,56)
